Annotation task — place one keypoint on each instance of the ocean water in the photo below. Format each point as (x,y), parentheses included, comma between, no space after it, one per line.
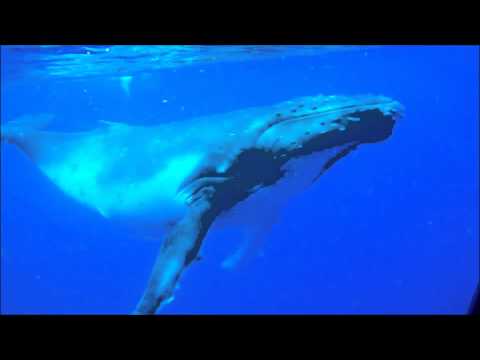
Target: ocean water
(390,229)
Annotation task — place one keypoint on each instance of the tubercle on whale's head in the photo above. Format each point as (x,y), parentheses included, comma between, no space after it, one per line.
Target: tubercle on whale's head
(324,121)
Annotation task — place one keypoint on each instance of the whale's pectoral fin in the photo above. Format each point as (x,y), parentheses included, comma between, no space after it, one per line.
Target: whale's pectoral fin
(178,251)
(240,254)
(253,240)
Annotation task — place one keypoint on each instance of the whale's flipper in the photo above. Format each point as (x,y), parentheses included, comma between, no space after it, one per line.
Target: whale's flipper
(252,219)
(253,239)
(179,249)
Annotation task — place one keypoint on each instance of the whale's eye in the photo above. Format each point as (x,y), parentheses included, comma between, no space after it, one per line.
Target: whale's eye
(294,110)
(278,114)
(314,108)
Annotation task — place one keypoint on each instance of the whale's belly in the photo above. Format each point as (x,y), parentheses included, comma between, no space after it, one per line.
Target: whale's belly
(136,188)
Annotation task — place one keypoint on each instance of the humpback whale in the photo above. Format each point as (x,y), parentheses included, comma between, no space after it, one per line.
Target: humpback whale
(175,179)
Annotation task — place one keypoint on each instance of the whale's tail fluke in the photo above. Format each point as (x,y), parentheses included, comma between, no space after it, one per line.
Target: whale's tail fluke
(23,131)
(13,131)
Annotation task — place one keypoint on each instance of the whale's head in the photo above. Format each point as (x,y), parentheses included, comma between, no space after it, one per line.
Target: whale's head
(317,123)
(304,136)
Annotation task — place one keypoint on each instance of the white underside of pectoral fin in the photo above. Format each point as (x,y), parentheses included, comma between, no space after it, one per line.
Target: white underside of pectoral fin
(234,259)
(253,231)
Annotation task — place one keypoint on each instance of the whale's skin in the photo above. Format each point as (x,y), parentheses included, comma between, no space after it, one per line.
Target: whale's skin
(176,178)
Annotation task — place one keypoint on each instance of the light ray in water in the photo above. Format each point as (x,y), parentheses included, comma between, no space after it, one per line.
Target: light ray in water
(125,82)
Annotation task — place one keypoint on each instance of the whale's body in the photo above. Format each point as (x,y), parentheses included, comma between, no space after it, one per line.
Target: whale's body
(175,179)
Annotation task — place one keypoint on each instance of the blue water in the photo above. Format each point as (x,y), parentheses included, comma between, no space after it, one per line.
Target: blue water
(390,229)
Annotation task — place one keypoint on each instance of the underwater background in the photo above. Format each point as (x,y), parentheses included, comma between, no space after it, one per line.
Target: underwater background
(390,229)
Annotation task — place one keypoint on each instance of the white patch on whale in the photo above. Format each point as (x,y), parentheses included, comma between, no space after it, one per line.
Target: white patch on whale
(125,82)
